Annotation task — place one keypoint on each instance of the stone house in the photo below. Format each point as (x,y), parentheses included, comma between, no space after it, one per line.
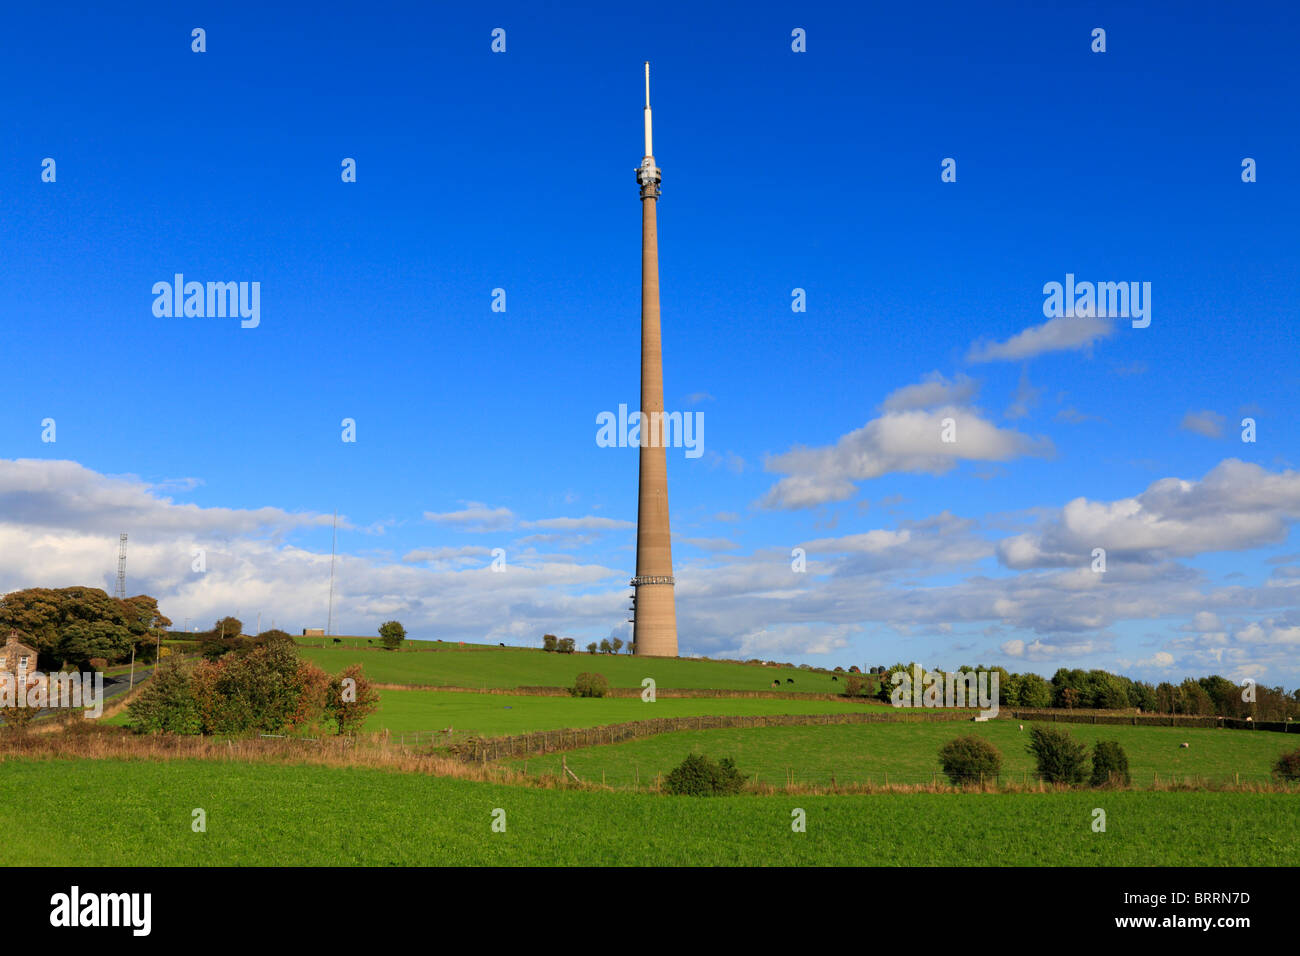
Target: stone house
(18,659)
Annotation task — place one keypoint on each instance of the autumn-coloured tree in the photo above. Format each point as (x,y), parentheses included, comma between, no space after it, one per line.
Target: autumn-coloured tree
(351,700)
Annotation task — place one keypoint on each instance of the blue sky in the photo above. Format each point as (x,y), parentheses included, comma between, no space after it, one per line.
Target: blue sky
(817,170)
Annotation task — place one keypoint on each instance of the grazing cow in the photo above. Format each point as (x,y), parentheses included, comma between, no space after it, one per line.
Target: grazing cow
(1184,745)
(834,678)
(776,683)
(789,680)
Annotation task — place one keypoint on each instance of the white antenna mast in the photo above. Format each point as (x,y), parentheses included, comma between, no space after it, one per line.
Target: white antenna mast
(649,147)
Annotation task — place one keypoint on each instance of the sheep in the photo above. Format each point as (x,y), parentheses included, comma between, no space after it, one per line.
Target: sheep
(1184,745)
(1022,726)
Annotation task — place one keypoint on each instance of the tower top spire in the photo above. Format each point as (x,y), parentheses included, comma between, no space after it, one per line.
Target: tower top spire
(649,147)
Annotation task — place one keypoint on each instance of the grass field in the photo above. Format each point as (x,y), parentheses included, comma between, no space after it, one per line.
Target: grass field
(499,714)
(909,752)
(470,666)
(135,813)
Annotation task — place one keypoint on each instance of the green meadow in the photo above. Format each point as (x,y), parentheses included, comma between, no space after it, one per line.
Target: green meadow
(140,813)
(908,752)
(451,665)
(500,714)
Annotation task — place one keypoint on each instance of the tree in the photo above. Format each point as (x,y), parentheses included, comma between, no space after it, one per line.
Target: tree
(1192,699)
(1032,691)
(1109,765)
(1060,758)
(565,645)
(605,647)
(617,644)
(392,634)
(351,700)
(77,623)
(591,648)
(549,642)
(970,758)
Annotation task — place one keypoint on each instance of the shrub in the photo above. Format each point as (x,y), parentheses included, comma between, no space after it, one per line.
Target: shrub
(167,704)
(590,685)
(1109,764)
(698,776)
(970,758)
(857,686)
(97,664)
(1288,766)
(1060,758)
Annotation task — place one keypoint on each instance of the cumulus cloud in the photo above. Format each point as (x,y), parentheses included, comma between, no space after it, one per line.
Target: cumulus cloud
(1054,335)
(932,390)
(1237,505)
(909,441)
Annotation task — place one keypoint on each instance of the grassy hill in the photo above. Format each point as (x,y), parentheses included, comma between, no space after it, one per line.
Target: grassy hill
(449,665)
(262,814)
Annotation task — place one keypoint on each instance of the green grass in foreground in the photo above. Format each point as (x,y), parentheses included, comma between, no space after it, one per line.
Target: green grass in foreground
(499,714)
(102,813)
(909,752)
(524,667)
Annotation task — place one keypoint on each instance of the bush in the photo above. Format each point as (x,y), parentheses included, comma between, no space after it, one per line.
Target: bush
(698,776)
(1060,758)
(1288,766)
(970,758)
(167,704)
(590,685)
(857,686)
(1109,764)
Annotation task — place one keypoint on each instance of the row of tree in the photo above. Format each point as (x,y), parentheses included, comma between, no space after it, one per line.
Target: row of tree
(1101,690)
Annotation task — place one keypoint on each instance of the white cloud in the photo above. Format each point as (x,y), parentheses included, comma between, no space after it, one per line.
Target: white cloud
(1236,506)
(933,390)
(910,441)
(1054,335)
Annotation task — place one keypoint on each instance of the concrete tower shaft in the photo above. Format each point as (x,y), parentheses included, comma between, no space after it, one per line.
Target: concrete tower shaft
(655,617)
